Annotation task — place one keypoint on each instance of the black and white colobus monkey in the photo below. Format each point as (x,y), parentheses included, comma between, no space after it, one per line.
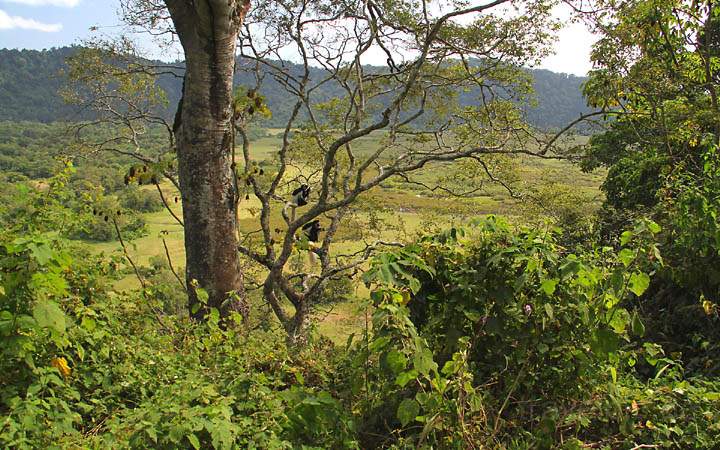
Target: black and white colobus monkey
(299,197)
(312,232)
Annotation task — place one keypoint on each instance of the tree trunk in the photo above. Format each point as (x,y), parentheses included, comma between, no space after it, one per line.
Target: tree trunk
(208,33)
(297,329)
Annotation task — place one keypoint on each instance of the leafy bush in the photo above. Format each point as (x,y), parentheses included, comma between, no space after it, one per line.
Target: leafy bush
(500,336)
(98,219)
(85,366)
(93,368)
(682,304)
(98,229)
(140,200)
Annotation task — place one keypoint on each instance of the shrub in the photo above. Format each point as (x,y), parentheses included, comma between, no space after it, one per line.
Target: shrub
(496,334)
(140,200)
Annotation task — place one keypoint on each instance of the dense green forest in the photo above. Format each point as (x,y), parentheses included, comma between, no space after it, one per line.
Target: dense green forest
(30,82)
(386,257)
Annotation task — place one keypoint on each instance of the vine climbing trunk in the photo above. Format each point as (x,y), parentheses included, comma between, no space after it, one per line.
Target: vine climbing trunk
(203,132)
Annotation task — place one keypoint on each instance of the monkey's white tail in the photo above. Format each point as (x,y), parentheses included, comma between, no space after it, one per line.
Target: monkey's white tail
(312,256)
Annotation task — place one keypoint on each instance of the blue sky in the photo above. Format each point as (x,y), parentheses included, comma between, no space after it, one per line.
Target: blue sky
(39,24)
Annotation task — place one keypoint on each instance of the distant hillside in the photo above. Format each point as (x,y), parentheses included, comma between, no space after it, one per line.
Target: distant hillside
(30,79)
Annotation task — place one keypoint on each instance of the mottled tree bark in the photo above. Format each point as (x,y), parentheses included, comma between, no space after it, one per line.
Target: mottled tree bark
(208,33)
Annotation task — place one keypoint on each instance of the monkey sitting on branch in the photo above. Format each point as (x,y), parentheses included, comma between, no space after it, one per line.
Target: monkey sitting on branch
(299,197)
(312,233)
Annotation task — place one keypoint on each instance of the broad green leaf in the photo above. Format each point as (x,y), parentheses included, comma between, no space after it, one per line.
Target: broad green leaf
(150,431)
(423,361)
(214,316)
(626,256)
(626,237)
(549,286)
(49,315)
(378,344)
(88,323)
(385,275)
(653,227)
(396,361)
(42,253)
(639,283)
(202,295)
(549,311)
(407,411)
(299,378)
(194,441)
(619,320)
(472,315)
(405,377)
(638,328)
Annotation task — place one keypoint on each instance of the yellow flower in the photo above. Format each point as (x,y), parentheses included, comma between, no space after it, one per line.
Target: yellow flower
(61,365)
(708,306)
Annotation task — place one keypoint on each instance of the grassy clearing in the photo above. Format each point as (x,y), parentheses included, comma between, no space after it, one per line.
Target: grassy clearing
(402,208)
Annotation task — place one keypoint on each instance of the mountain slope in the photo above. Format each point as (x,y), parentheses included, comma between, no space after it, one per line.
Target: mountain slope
(30,79)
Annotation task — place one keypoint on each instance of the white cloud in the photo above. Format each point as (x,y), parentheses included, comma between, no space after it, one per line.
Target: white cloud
(8,22)
(62,3)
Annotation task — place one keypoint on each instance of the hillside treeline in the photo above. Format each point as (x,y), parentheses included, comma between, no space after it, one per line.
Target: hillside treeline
(30,82)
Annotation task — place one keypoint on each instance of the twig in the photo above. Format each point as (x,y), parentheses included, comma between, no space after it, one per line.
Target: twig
(507,400)
(127,254)
(172,213)
(172,269)
(158,317)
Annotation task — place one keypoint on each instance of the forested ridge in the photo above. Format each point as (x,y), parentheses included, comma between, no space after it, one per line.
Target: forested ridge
(30,81)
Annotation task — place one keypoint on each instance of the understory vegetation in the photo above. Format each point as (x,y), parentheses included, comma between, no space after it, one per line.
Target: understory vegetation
(490,335)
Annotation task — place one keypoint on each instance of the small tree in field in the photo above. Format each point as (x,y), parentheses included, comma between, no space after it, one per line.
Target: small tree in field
(313,54)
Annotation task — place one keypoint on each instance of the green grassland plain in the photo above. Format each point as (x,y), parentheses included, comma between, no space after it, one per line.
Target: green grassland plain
(403,208)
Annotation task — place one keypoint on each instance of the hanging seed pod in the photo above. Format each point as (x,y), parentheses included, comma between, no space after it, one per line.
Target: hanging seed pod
(247,182)
(278,230)
(132,171)
(94,212)
(255,170)
(106,218)
(176,199)
(126,180)
(262,172)
(247,196)
(140,181)
(119,213)
(145,169)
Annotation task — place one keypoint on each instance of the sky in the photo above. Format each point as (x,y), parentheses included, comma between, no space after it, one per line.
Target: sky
(39,24)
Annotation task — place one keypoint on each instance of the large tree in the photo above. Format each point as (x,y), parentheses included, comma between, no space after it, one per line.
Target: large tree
(204,139)
(120,87)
